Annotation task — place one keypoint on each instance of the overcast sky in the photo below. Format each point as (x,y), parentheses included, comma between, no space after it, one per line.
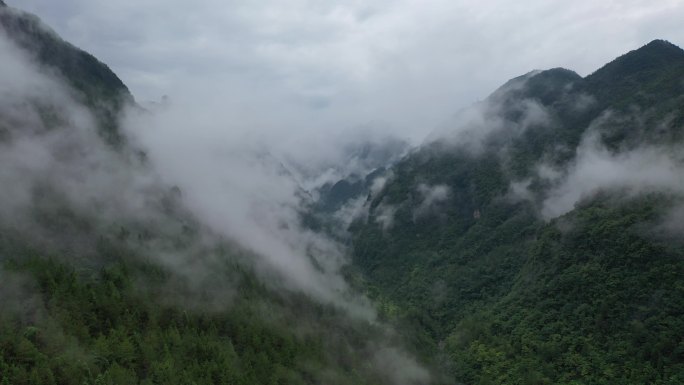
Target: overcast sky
(404,64)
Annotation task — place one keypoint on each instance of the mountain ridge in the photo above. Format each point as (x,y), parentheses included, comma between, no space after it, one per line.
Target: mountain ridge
(106,277)
(98,87)
(654,55)
(470,269)
(454,248)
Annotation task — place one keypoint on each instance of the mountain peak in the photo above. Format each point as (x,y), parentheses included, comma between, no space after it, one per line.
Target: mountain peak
(546,86)
(659,50)
(96,84)
(661,44)
(656,55)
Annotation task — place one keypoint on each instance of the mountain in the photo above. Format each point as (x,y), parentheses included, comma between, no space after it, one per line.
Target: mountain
(95,85)
(107,276)
(534,239)
(650,68)
(531,241)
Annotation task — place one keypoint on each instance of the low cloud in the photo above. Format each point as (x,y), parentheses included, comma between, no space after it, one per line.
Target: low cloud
(229,182)
(391,58)
(431,198)
(379,183)
(20,298)
(331,157)
(472,128)
(234,183)
(50,151)
(400,368)
(673,222)
(384,215)
(583,102)
(356,209)
(596,168)
(223,169)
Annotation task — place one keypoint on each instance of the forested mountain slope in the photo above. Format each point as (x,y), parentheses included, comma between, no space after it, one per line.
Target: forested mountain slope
(538,238)
(93,83)
(107,278)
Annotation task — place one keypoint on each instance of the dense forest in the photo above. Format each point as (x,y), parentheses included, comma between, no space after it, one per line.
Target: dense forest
(92,292)
(536,238)
(93,325)
(508,288)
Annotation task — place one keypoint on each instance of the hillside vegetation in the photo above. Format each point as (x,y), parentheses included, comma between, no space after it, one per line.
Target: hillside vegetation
(535,239)
(505,285)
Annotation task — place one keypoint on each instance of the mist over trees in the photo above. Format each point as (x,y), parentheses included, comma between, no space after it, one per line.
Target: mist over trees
(534,237)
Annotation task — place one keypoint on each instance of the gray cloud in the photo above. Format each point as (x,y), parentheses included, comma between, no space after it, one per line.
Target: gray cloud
(53,158)
(49,141)
(647,169)
(473,127)
(233,183)
(400,368)
(384,215)
(596,168)
(225,160)
(251,82)
(431,198)
(358,208)
(230,183)
(319,157)
(380,182)
(335,64)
